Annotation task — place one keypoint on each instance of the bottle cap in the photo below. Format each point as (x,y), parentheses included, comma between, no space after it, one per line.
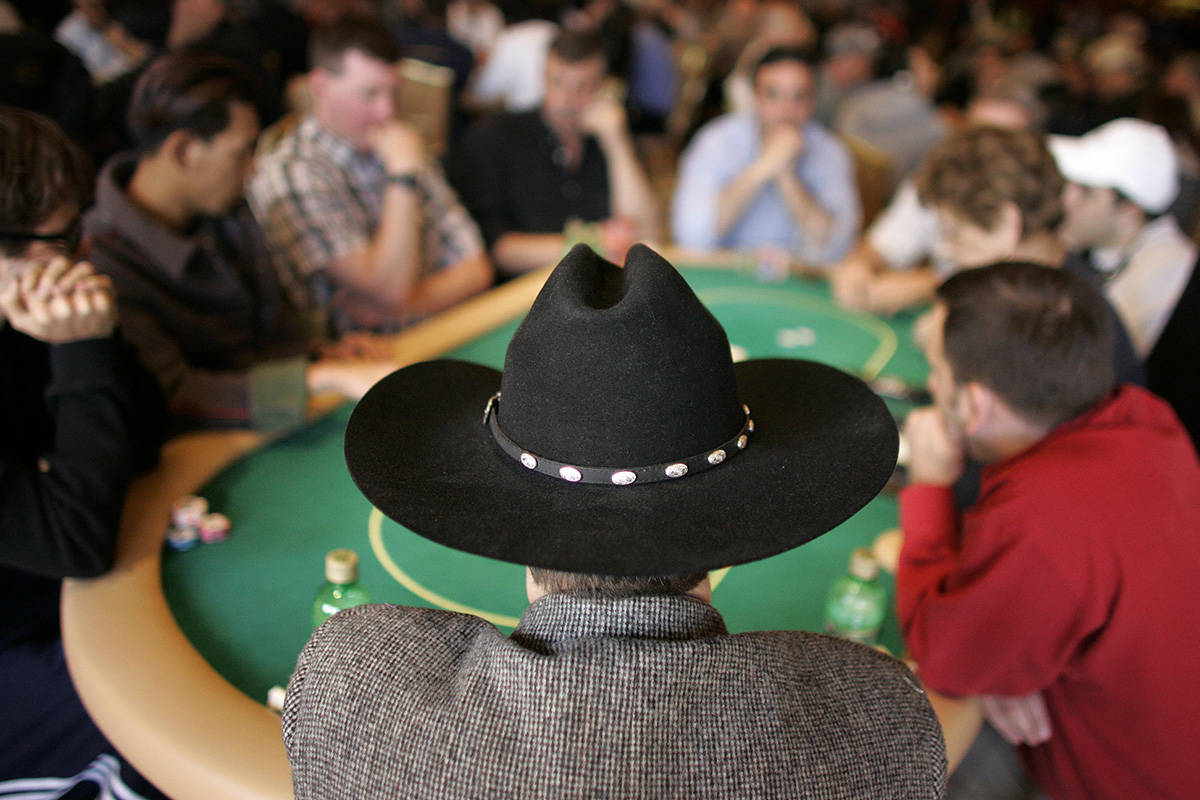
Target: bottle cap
(341,566)
(863,565)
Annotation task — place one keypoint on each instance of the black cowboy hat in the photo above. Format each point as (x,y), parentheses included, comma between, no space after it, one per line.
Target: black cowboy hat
(620,438)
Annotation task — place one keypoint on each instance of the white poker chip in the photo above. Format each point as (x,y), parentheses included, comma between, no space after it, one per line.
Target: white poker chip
(275,697)
(738,353)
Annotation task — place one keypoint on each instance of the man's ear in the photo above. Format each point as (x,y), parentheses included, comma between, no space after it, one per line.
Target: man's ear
(1010,223)
(977,407)
(317,81)
(178,147)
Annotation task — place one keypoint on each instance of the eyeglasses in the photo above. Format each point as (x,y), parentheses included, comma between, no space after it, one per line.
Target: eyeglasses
(67,239)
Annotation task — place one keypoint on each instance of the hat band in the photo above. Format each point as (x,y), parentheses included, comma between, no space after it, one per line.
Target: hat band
(617,476)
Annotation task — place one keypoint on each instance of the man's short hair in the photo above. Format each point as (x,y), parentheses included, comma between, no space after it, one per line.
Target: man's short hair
(330,43)
(186,90)
(788,52)
(975,172)
(1040,337)
(41,171)
(575,47)
(613,586)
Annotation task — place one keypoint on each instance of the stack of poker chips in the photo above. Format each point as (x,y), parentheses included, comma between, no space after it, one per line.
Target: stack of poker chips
(191,524)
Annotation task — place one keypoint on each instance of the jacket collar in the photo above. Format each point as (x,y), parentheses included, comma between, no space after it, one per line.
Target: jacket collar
(116,214)
(555,622)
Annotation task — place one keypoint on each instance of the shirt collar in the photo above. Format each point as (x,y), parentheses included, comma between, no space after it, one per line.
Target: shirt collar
(556,621)
(121,216)
(334,147)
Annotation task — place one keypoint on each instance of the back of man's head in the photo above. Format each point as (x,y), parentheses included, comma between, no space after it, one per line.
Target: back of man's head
(976,172)
(1041,338)
(41,172)
(612,586)
(189,91)
(577,46)
(330,43)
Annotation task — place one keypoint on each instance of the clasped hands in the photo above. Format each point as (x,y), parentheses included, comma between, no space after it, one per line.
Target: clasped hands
(57,301)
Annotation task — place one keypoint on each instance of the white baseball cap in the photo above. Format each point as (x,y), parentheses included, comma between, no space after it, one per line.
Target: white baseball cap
(1132,156)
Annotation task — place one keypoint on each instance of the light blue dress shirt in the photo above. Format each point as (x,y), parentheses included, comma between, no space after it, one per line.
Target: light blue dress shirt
(722,150)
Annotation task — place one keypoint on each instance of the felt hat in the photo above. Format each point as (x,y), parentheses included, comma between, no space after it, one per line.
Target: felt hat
(620,438)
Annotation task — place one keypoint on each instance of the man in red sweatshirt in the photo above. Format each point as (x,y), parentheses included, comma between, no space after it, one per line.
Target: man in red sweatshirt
(1067,597)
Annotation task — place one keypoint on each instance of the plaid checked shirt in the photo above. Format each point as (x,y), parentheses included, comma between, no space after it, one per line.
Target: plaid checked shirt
(317,199)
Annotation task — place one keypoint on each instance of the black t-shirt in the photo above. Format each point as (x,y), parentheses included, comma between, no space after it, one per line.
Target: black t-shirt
(511,176)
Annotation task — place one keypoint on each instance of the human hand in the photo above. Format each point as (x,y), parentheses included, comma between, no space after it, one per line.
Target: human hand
(369,346)
(604,118)
(57,302)
(849,281)
(192,20)
(782,145)
(399,147)
(351,379)
(1020,720)
(617,235)
(936,454)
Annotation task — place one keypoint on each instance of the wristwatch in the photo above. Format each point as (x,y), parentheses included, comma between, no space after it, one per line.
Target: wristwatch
(405,179)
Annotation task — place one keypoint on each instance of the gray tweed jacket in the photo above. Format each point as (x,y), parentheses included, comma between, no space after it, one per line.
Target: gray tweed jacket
(645,697)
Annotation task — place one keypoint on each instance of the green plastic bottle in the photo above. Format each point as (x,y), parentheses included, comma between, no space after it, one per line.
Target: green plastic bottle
(341,589)
(857,602)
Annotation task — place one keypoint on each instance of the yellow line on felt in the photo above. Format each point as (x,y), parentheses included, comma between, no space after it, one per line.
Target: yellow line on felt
(375,531)
(375,534)
(888,343)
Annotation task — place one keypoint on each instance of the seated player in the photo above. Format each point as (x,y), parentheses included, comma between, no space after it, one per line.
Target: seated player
(350,201)
(524,176)
(1122,177)
(772,177)
(198,294)
(998,196)
(1066,598)
(894,265)
(612,685)
(80,418)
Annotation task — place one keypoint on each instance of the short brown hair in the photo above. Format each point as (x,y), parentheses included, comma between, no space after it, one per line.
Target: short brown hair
(186,90)
(613,586)
(574,46)
(1040,337)
(330,43)
(41,171)
(975,172)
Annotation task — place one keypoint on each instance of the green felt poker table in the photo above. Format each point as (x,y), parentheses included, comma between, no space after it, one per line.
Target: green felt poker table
(174,652)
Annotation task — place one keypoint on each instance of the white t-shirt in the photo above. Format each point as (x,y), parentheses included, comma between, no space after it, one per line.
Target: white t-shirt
(515,72)
(905,232)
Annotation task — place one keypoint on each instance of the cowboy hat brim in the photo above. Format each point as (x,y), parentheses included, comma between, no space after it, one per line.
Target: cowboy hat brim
(824,445)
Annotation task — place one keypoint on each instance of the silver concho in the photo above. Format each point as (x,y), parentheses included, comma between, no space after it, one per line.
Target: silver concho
(569,474)
(528,461)
(623,478)
(676,470)
(742,442)
(750,426)
(716,456)
(746,409)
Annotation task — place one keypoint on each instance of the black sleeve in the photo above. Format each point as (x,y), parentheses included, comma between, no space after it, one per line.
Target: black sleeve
(60,510)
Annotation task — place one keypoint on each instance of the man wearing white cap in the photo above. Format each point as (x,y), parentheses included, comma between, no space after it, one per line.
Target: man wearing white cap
(1122,177)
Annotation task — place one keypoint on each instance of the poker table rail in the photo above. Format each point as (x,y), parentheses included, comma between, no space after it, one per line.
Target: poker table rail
(183,725)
